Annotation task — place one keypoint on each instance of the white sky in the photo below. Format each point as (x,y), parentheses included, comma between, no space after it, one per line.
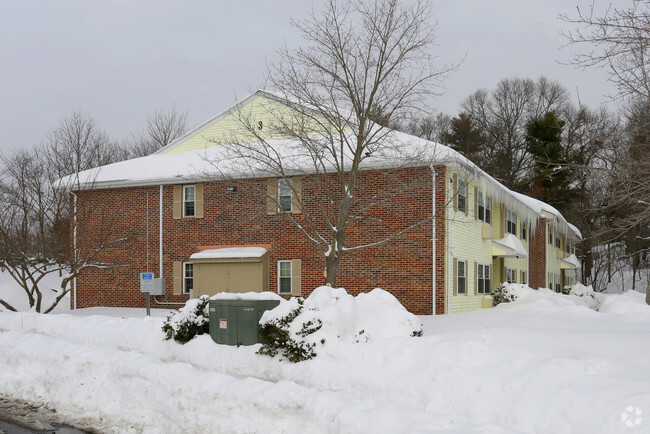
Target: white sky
(120,60)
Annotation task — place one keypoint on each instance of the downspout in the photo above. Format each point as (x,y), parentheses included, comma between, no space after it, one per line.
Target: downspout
(433,232)
(160,234)
(74,249)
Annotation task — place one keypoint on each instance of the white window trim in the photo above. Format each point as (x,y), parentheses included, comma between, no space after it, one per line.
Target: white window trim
(511,224)
(487,289)
(484,201)
(279,190)
(185,291)
(187,201)
(513,273)
(290,277)
(461,182)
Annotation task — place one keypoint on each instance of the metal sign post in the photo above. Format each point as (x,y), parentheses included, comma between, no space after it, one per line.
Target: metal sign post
(151,286)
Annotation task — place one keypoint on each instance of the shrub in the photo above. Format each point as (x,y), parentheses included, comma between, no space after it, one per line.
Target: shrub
(190,321)
(503,294)
(277,333)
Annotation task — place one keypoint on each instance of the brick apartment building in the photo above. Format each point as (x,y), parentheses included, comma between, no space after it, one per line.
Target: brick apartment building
(188,217)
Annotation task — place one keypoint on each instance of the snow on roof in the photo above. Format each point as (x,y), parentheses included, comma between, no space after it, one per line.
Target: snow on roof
(571,261)
(512,246)
(230,252)
(216,162)
(265,295)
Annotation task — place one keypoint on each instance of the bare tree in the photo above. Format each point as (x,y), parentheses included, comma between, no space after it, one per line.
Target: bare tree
(364,65)
(619,41)
(162,129)
(502,115)
(35,216)
(435,128)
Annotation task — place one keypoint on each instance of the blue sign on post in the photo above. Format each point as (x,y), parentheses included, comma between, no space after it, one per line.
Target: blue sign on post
(146,282)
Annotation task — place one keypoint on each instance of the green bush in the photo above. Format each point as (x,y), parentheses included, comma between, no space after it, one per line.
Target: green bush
(190,321)
(280,341)
(502,295)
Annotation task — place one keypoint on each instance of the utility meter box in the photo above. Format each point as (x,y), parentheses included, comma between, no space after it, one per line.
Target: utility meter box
(151,285)
(236,322)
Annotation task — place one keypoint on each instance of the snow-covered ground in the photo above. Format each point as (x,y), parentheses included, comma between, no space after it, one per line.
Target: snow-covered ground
(50,286)
(545,364)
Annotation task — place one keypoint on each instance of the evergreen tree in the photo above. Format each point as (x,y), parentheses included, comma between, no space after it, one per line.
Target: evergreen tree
(551,181)
(465,137)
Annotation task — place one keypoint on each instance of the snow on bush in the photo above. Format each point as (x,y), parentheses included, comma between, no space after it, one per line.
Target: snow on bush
(191,320)
(506,292)
(332,316)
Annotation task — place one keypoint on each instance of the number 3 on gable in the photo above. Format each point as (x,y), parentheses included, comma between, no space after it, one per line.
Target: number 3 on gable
(260,125)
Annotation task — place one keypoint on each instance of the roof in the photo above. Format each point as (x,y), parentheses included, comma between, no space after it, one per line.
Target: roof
(215,162)
(230,253)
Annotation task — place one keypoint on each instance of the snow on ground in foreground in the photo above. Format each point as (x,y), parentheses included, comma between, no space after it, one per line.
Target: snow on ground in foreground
(546,364)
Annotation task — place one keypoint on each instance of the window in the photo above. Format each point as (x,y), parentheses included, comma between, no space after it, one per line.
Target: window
(461,277)
(523,277)
(523,231)
(557,239)
(551,279)
(558,288)
(284,195)
(462,195)
(484,283)
(284,277)
(550,234)
(511,222)
(511,275)
(189,200)
(484,208)
(188,277)
(567,246)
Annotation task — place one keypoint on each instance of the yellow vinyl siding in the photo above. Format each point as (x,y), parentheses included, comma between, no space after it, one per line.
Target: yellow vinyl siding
(260,111)
(465,243)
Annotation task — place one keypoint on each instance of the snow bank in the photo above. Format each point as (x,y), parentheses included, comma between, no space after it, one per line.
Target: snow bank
(347,319)
(627,303)
(515,368)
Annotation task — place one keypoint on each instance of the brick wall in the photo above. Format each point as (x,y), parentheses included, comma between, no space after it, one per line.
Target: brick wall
(402,266)
(537,253)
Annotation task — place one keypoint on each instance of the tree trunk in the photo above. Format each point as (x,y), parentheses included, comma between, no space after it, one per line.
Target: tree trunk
(647,292)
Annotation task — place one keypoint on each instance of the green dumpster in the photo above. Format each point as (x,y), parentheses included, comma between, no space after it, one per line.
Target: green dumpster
(236,322)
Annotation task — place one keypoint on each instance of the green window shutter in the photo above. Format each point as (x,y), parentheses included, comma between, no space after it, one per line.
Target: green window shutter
(198,200)
(178,278)
(178,201)
(272,196)
(296,196)
(296,277)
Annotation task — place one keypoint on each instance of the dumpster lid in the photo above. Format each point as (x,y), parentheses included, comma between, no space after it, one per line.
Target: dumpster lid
(230,252)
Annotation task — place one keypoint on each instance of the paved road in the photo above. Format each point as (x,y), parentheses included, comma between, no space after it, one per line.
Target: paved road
(18,417)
